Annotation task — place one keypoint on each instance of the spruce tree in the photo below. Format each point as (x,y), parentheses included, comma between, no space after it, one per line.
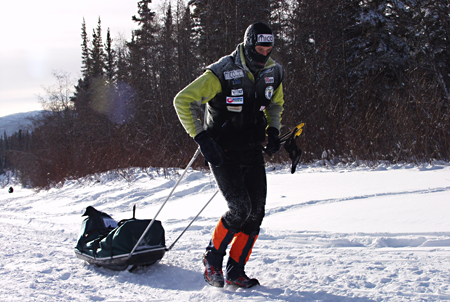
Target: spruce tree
(187,58)
(167,69)
(85,58)
(97,53)
(220,25)
(142,52)
(110,67)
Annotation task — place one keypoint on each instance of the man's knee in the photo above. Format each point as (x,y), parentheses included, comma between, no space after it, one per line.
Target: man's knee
(235,219)
(253,223)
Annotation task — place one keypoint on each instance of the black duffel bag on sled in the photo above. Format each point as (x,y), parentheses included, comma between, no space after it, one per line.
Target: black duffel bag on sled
(105,242)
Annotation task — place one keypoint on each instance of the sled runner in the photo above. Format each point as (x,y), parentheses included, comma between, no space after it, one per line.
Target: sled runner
(105,242)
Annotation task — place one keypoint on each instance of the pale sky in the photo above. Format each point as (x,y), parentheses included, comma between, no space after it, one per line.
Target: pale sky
(39,37)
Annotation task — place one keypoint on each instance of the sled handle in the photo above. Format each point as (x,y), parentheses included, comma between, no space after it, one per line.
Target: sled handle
(193,220)
(162,206)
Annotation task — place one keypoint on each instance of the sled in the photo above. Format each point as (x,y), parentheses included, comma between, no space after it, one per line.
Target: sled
(113,245)
(130,243)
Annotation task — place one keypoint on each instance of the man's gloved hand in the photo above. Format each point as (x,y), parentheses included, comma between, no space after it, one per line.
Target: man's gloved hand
(274,144)
(210,149)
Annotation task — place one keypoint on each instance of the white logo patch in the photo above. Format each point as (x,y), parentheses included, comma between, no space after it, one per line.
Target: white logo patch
(269,92)
(262,108)
(265,38)
(233,74)
(236,92)
(269,80)
(234,108)
(237,100)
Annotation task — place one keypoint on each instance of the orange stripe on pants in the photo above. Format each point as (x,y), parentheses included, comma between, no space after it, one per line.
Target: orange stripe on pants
(240,241)
(219,235)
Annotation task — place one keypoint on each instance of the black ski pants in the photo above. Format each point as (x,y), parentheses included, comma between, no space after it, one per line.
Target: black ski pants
(242,181)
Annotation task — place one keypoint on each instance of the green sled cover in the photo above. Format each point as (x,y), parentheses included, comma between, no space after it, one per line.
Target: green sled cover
(105,242)
(122,239)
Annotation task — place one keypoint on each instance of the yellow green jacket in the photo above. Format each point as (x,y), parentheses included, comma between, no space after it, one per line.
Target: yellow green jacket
(239,107)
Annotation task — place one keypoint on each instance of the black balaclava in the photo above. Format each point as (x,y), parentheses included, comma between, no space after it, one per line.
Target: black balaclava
(257,34)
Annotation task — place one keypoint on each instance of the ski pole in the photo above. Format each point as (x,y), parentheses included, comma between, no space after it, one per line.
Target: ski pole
(193,220)
(295,132)
(162,206)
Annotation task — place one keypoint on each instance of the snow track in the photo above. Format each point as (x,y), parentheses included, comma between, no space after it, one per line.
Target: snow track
(327,236)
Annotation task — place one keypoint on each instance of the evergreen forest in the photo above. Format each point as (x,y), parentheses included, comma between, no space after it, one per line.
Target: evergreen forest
(369,78)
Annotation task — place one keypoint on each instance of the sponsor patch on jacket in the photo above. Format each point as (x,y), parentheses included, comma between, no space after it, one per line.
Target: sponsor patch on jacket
(235,100)
(269,92)
(234,108)
(233,74)
(269,80)
(262,108)
(265,38)
(237,92)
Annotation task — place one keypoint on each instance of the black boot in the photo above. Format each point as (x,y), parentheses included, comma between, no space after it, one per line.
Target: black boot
(236,275)
(243,281)
(213,274)
(215,251)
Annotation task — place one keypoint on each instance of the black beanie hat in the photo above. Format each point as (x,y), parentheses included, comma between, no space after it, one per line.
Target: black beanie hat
(257,34)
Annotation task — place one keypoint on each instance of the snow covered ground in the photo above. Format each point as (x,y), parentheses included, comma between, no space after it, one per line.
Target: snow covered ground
(340,234)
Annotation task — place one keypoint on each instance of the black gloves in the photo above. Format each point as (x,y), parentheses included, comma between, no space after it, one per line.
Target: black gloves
(209,148)
(274,144)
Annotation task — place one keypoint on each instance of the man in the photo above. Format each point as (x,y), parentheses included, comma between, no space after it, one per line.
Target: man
(244,101)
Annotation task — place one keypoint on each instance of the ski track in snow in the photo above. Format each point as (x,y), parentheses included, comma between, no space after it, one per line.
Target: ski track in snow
(40,230)
(333,200)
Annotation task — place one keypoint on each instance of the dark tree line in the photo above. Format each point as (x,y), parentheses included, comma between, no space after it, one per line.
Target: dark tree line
(369,78)
(17,143)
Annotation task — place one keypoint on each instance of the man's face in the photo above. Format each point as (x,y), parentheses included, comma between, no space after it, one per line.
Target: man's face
(263,50)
